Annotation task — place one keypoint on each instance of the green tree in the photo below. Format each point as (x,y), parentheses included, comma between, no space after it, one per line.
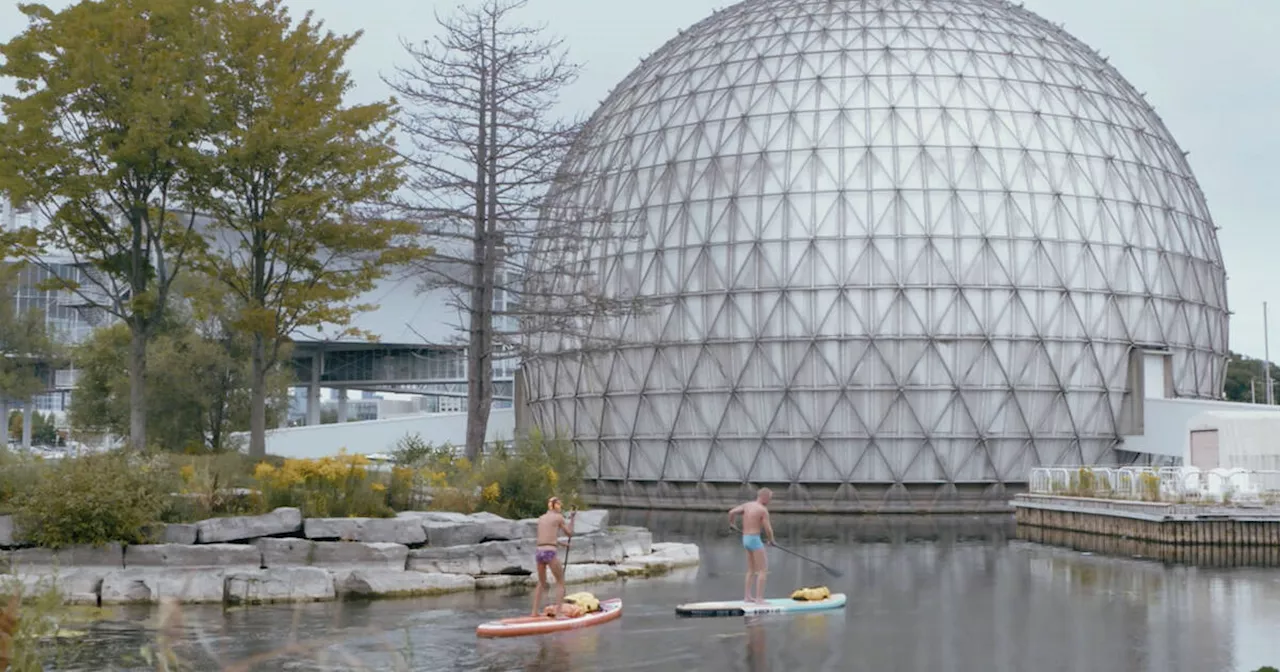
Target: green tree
(197,393)
(104,136)
(27,352)
(1246,379)
(292,167)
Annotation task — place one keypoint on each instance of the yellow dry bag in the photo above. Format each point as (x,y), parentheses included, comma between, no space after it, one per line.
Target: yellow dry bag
(811,594)
(587,601)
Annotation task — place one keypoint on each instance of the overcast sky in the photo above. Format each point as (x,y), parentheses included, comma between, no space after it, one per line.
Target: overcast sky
(1208,67)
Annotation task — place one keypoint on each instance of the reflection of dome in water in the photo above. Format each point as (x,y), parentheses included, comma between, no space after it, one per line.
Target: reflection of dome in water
(905,241)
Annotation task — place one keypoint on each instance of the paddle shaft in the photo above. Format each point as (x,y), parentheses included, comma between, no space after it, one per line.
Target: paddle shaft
(568,545)
(829,570)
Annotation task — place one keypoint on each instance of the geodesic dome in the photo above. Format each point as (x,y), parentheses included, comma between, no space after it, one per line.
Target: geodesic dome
(894,241)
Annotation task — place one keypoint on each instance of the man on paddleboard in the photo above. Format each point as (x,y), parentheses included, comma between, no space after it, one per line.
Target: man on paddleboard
(550,524)
(755,518)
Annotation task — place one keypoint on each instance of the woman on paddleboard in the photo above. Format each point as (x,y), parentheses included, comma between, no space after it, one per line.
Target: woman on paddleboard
(755,518)
(550,524)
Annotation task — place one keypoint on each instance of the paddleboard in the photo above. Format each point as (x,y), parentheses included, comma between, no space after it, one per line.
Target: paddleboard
(610,610)
(777,605)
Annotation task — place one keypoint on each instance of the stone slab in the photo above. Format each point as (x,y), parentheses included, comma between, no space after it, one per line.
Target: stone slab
(279,584)
(598,547)
(332,554)
(407,531)
(146,585)
(225,556)
(385,583)
(585,573)
(507,557)
(496,528)
(590,521)
(107,555)
(635,540)
(76,585)
(496,581)
(447,560)
(282,521)
(365,556)
(440,533)
(681,555)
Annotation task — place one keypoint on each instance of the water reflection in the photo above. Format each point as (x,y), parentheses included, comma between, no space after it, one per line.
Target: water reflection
(953,593)
(1199,555)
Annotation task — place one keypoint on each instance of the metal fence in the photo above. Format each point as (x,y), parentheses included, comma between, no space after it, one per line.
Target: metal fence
(1159,484)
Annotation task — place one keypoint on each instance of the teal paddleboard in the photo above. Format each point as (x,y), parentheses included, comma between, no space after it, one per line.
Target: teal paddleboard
(777,605)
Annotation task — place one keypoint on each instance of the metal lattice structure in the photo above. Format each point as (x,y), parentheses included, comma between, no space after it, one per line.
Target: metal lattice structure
(898,242)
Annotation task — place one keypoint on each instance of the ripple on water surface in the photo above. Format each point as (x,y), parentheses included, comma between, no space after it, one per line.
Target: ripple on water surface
(924,594)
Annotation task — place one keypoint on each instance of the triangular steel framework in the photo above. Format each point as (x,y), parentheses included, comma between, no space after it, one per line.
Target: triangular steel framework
(900,242)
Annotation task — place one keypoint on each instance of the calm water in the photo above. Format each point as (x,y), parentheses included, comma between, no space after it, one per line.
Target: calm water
(956,594)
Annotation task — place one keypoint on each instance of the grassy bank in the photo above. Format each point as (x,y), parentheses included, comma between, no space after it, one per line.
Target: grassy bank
(118,496)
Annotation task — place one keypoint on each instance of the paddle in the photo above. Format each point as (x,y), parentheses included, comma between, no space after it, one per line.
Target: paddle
(830,570)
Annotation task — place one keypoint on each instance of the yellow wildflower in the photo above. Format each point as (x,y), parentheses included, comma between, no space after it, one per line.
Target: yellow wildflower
(378,487)
(491,492)
(187,472)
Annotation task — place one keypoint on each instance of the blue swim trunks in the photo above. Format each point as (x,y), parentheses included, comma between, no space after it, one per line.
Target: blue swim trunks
(752,542)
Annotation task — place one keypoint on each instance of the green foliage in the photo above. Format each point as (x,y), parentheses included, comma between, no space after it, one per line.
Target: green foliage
(514,482)
(1246,380)
(196,392)
(106,133)
(26,347)
(290,165)
(43,431)
(326,487)
(93,499)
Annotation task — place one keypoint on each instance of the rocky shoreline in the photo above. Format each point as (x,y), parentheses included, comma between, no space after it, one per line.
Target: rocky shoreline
(282,557)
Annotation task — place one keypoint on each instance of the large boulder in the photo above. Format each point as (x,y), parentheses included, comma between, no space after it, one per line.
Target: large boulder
(364,556)
(110,555)
(279,584)
(635,541)
(597,547)
(446,560)
(407,531)
(496,581)
(144,585)
(280,522)
(75,585)
(680,555)
(225,556)
(496,528)
(490,557)
(285,552)
(574,573)
(507,557)
(590,521)
(384,583)
(461,533)
(435,516)
(332,554)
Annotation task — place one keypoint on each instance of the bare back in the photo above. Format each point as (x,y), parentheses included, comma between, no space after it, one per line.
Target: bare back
(549,526)
(753,515)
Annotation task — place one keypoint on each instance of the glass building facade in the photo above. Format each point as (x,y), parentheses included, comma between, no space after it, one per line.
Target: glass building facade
(889,242)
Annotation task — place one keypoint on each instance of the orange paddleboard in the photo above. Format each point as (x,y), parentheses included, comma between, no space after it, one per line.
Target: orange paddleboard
(610,610)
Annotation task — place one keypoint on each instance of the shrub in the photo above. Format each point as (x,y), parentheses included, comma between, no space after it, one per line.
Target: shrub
(93,499)
(517,483)
(336,486)
(207,486)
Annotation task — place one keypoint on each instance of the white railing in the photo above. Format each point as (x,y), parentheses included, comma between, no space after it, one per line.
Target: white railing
(1163,484)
